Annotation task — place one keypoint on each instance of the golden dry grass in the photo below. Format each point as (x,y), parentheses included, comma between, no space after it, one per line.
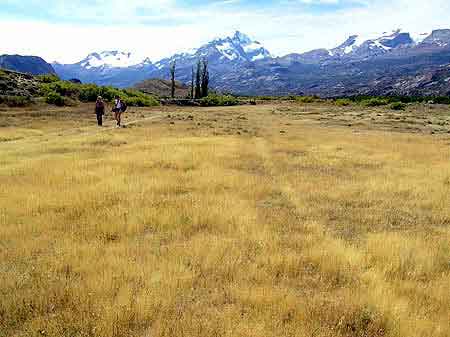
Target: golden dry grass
(236,221)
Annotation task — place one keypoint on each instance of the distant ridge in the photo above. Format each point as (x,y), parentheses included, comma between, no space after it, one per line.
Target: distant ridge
(26,64)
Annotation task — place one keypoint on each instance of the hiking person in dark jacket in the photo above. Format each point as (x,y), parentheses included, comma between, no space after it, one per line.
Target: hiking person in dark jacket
(99,110)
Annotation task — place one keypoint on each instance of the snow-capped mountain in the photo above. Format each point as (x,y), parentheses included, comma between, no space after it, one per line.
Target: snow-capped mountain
(123,69)
(113,59)
(237,52)
(366,46)
(116,68)
(237,48)
(439,38)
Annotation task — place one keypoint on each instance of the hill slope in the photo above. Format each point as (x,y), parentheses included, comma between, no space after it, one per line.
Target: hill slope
(18,84)
(26,64)
(162,87)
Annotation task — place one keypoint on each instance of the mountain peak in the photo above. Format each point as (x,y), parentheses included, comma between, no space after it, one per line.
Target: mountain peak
(238,47)
(113,59)
(241,37)
(373,44)
(438,37)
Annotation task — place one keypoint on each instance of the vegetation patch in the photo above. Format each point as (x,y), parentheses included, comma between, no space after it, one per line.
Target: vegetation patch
(15,101)
(49,78)
(219,100)
(398,106)
(343,102)
(305,99)
(90,92)
(373,102)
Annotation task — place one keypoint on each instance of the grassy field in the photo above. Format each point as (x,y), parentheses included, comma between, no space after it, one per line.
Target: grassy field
(269,220)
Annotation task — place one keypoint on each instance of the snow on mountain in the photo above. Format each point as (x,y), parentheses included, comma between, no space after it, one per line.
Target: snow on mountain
(238,47)
(234,62)
(227,50)
(439,38)
(419,37)
(113,59)
(234,49)
(253,49)
(373,44)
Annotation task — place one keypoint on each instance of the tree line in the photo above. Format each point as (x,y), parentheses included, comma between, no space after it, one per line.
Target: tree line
(199,79)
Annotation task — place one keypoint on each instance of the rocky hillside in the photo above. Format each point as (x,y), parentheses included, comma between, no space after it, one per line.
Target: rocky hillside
(26,64)
(162,88)
(18,84)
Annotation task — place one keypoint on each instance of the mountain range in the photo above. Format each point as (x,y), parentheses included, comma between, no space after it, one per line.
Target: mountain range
(390,63)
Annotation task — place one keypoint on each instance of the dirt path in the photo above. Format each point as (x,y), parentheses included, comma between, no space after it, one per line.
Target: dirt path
(87,131)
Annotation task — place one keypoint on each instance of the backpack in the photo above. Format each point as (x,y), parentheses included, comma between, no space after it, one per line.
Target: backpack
(123,106)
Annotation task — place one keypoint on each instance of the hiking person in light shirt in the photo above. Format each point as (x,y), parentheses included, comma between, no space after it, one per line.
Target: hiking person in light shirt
(118,109)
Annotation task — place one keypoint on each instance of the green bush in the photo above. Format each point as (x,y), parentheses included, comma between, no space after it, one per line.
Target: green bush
(49,78)
(90,92)
(266,98)
(343,102)
(441,100)
(55,98)
(69,91)
(141,101)
(219,100)
(63,88)
(305,99)
(372,102)
(398,106)
(15,101)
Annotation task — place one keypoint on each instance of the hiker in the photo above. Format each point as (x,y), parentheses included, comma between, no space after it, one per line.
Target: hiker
(118,109)
(99,110)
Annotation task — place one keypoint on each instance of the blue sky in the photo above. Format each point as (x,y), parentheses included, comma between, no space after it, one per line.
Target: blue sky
(67,31)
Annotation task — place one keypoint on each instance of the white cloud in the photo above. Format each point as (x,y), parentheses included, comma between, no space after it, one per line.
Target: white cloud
(168,28)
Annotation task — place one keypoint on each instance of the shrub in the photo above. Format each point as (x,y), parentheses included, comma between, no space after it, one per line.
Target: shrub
(55,98)
(398,106)
(305,99)
(49,78)
(372,102)
(141,101)
(63,88)
(69,91)
(219,100)
(343,102)
(15,101)
(90,92)
(442,100)
(266,98)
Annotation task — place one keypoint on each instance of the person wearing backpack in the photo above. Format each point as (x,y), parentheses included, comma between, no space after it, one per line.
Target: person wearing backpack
(99,110)
(119,107)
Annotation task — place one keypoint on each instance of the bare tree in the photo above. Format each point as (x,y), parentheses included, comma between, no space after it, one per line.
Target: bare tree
(172,77)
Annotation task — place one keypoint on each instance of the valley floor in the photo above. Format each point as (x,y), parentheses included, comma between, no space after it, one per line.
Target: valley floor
(268,220)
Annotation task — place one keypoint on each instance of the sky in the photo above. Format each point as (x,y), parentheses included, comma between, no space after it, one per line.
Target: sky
(67,31)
